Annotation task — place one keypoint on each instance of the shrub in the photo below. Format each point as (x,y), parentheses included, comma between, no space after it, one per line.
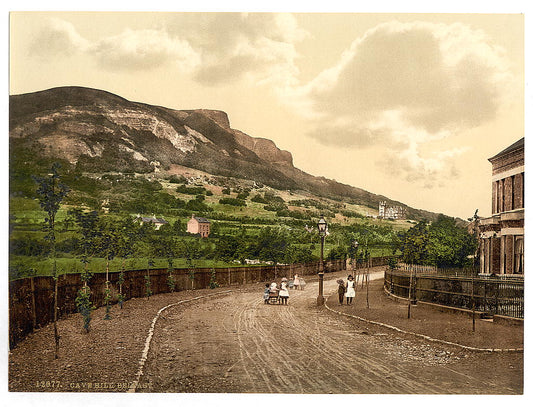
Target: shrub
(232,201)
(183,189)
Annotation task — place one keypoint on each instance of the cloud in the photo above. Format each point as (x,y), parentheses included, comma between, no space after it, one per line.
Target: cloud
(213,48)
(403,85)
(260,46)
(57,37)
(144,49)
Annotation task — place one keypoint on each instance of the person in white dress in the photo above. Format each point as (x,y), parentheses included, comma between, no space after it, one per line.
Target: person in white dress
(284,292)
(350,290)
(296,281)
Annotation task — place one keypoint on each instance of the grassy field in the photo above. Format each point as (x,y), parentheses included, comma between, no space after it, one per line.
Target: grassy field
(27,220)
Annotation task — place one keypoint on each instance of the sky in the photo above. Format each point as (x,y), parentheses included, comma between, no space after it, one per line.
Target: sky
(407,105)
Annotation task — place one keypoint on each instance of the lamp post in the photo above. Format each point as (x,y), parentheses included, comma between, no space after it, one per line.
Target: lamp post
(322,227)
(355,244)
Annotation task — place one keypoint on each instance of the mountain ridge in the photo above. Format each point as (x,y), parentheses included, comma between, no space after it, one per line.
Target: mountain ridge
(95,130)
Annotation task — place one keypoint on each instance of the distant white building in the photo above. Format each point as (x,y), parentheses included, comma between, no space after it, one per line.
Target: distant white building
(390,211)
(157,222)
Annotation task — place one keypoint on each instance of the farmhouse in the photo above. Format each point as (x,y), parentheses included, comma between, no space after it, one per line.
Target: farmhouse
(157,222)
(502,234)
(198,226)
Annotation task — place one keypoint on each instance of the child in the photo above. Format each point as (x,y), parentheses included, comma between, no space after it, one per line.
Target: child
(296,281)
(266,293)
(341,290)
(350,290)
(284,292)
(302,284)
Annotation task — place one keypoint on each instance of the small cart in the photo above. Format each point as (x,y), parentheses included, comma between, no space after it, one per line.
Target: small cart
(273,297)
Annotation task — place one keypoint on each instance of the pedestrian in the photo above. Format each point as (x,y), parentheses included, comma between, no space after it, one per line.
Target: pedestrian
(296,282)
(284,292)
(274,293)
(350,290)
(302,284)
(341,290)
(266,293)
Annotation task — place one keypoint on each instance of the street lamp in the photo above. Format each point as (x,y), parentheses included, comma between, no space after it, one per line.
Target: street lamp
(322,227)
(355,244)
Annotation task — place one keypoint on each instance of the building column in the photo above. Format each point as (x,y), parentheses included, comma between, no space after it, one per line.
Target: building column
(503,246)
(482,255)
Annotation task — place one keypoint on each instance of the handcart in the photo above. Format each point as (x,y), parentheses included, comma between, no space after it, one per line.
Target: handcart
(273,297)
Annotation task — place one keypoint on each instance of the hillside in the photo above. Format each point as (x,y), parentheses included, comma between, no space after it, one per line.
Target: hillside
(93,133)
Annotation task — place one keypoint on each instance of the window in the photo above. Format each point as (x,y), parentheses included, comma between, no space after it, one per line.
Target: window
(518,267)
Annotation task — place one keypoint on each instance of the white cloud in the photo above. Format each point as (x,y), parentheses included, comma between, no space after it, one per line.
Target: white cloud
(213,47)
(144,49)
(403,85)
(57,37)
(258,46)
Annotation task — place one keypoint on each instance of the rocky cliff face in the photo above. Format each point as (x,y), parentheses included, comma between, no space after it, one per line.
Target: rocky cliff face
(96,131)
(71,129)
(264,148)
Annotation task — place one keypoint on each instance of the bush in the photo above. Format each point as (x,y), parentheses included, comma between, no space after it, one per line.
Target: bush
(232,201)
(174,179)
(243,195)
(183,189)
(259,199)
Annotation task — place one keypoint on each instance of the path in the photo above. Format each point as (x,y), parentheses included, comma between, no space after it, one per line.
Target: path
(236,343)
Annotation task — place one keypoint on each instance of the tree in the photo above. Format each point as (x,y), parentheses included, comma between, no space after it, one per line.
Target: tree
(271,244)
(442,244)
(296,254)
(449,244)
(165,246)
(226,248)
(109,244)
(414,244)
(190,250)
(51,193)
(337,253)
(213,280)
(128,236)
(87,222)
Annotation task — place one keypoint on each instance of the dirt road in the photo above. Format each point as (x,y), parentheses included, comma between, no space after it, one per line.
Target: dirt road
(236,343)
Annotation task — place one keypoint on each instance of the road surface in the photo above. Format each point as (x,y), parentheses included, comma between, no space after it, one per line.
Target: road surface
(235,343)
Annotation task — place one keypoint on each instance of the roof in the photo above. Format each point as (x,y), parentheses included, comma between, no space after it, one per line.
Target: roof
(513,147)
(201,220)
(152,219)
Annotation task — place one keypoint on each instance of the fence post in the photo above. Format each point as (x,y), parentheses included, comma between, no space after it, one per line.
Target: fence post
(473,306)
(409,296)
(414,287)
(498,284)
(33,310)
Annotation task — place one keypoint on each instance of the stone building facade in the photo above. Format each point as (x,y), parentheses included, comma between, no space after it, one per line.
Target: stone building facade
(199,226)
(387,211)
(502,234)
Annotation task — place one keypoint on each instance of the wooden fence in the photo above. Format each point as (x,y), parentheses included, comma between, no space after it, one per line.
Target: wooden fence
(31,299)
(492,295)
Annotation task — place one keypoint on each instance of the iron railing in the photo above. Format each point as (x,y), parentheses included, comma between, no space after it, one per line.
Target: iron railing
(491,295)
